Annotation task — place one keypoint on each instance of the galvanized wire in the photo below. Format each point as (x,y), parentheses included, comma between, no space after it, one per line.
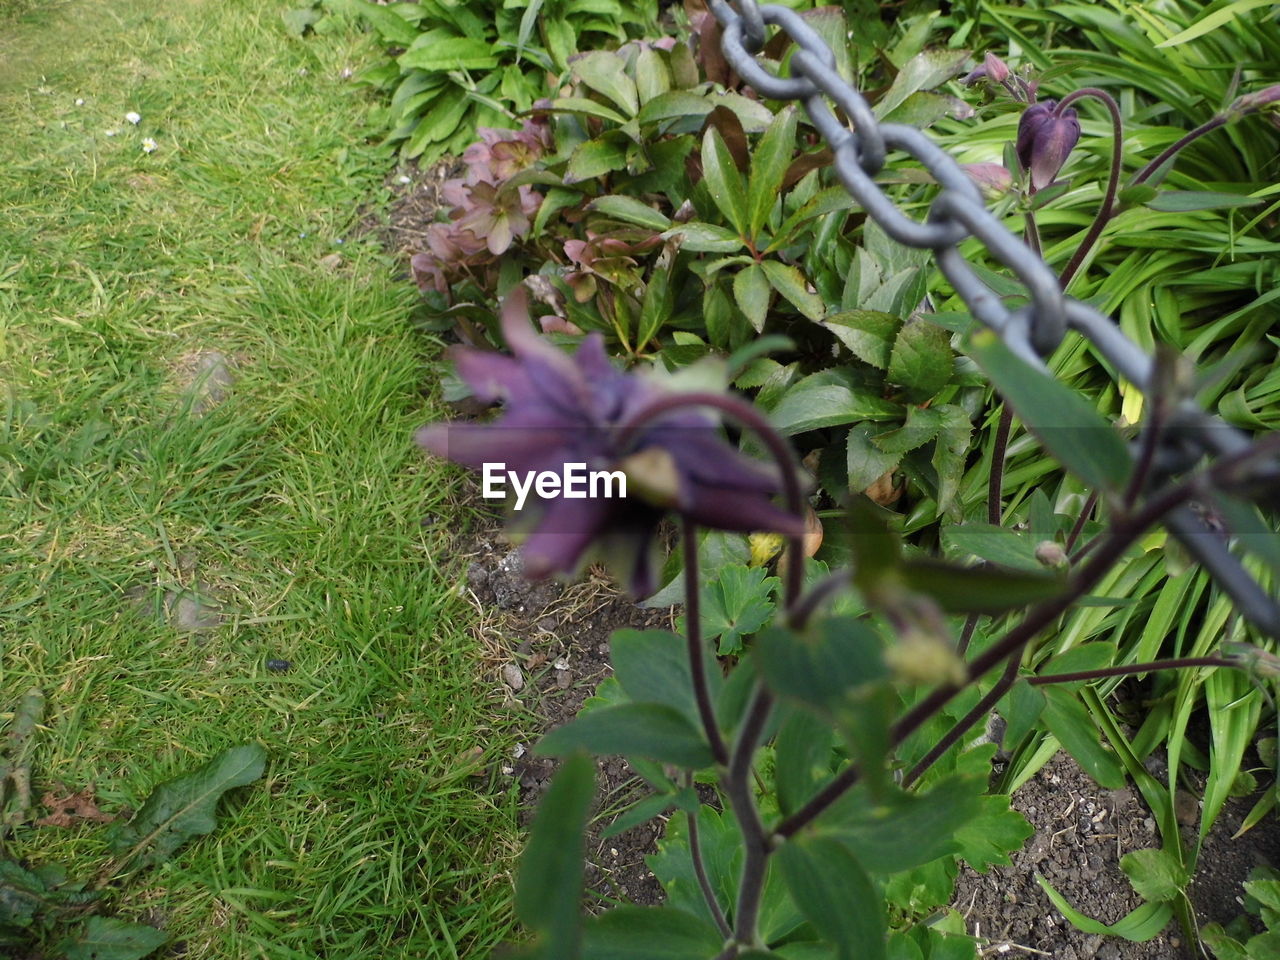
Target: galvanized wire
(957,212)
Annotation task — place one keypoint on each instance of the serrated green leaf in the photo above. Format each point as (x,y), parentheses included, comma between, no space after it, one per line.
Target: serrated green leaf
(185,807)
(108,938)
(723,179)
(751,292)
(787,279)
(921,426)
(865,461)
(595,157)
(1154,874)
(869,334)
(441,50)
(769,165)
(549,883)
(606,74)
(652,730)
(735,604)
(631,210)
(921,359)
(705,238)
(833,891)
(672,105)
(990,837)
(828,399)
(1067,424)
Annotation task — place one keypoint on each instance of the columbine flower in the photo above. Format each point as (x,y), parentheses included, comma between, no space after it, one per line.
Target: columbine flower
(1045,138)
(991,178)
(1253,102)
(560,409)
(134,118)
(148,145)
(993,68)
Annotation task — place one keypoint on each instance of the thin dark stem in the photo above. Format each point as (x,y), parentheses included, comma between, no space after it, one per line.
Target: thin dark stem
(1143,175)
(1081,520)
(995,482)
(966,633)
(1107,210)
(693,643)
(1032,233)
(755,838)
(1132,668)
(748,416)
(700,871)
(961,726)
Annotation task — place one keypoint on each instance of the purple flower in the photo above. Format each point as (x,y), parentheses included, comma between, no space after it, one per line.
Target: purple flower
(993,68)
(1253,102)
(991,178)
(561,409)
(1045,138)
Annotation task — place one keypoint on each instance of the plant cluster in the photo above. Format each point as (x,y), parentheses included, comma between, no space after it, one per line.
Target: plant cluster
(698,232)
(42,908)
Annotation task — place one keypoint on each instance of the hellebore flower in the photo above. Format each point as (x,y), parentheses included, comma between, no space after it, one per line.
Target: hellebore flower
(1045,138)
(489,213)
(561,409)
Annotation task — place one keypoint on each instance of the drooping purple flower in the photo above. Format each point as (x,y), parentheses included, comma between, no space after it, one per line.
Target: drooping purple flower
(1045,138)
(991,178)
(993,68)
(561,409)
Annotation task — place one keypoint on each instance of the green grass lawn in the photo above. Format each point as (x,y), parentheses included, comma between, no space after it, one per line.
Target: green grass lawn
(295,503)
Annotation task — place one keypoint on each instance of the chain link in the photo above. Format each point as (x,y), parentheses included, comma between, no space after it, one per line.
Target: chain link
(956,213)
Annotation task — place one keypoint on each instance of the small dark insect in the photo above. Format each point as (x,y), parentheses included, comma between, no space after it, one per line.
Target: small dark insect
(279,666)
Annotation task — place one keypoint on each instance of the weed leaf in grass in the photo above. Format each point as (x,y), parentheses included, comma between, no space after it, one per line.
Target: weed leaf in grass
(1154,874)
(1066,423)
(106,938)
(180,809)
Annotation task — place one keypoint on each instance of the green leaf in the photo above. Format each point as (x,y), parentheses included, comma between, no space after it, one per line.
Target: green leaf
(1155,875)
(1220,17)
(824,666)
(723,180)
(1067,424)
(1137,926)
(631,210)
(921,426)
(592,158)
(183,808)
(1069,721)
(298,22)
(651,806)
(389,25)
(998,545)
(549,883)
(1021,707)
(921,359)
(827,399)
(769,165)
(751,292)
(441,50)
(652,666)
(674,104)
(586,106)
(911,829)
(735,604)
(790,282)
(658,303)
(865,461)
(1180,201)
(649,933)
(990,838)
(802,758)
(1087,656)
(981,589)
(606,74)
(705,238)
(833,891)
(869,334)
(1137,194)
(949,454)
(652,730)
(107,938)
(652,77)
(924,71)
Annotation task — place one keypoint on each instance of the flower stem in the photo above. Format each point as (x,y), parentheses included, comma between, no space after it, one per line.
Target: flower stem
(693,643)
(1129,669)
(1107,210)
(1143,175)
(756,843)
(700,871)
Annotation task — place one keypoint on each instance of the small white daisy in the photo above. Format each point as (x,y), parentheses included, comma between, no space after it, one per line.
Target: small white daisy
(134,118)
(79,101)
(112,133)
(148,145)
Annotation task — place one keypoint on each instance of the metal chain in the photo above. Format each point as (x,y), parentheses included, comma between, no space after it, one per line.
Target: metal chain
(958,212)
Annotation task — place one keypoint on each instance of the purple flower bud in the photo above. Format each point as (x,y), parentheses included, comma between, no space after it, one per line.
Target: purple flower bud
(997,69)
(1252,102)
(991,178)
(1045,138)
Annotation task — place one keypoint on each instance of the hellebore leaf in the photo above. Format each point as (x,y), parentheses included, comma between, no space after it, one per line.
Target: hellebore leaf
(869,334)
(768,168)
(921,359)
(724,181)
